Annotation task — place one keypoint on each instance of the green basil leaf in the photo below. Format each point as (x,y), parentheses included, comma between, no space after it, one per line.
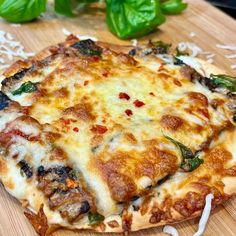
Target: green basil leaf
(21,10)
(224,81)
(64,7)
(27,87)
(133,18)
(95,218)
(185,151)
(189,161)
(173,7)
(88,48)
(69,7)
(191,164)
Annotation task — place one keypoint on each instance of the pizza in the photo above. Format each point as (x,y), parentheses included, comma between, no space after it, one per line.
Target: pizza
(116,139)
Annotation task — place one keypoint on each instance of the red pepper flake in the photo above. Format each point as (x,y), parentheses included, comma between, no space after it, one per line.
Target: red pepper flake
(138,103)
(128,112)
(86,82)
(76,129)
(124,96)
(67,121)
(105,74)
(94,59)
(161,67)
(152,94)
(99,129)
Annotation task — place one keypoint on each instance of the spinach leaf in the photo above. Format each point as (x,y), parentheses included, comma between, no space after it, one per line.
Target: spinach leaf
(95,218)
(173,7)
(21,10)
(133,18)
(27,87)
(189,161)
(161,47)
(224,81)
(88,48)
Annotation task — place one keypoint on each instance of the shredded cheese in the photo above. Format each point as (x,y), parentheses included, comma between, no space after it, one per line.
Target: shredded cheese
(134,42)
(195,50)
(81,37)
(205,215)
(231,56)
(10,50)
(170,230)
(227,47)
(233,67)
(192,34)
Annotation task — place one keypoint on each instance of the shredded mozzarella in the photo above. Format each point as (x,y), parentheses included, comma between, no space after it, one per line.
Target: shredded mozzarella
(15,25)
(170,230)
(11,49)
(210,55)
(134,42)
(205,215)
(66,32)
(233,67)
(195,50)
(231,56)
(210,60)
(81,37)
(227,47)
(192,34)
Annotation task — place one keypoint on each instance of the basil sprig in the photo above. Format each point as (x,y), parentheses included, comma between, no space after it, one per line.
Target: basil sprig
(21,10)
(190,161)
(95,218)
(125,18)
(27,87)
(224,81)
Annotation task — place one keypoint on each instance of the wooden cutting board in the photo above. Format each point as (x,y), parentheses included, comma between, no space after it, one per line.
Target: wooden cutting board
(210,26)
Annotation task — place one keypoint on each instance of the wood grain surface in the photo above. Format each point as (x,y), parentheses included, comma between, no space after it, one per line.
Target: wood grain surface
(210,26)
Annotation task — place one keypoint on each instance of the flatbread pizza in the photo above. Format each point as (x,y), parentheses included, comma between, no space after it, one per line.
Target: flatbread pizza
(116,139)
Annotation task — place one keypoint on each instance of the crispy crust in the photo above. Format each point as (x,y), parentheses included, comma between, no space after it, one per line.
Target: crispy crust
(170,210)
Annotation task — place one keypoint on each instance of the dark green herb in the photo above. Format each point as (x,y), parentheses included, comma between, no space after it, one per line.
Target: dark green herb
(131,19)
(74,174)
(191,164)
(234,116)
(185,151)
(189,161)
(161,47)
(88,47)
(173,7)
(27,87)
(95,218)
(180,53)
(224,81)
(21,10)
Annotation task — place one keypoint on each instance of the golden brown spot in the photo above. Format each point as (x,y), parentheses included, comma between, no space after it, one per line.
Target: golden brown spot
(217,158)
(61,93)
(58,154)
(38,221)
(130,138)
(171,122)
(9,184)
(81,111)
(3,166)
(113,224)
(215,103)
(198,98)
(126,221)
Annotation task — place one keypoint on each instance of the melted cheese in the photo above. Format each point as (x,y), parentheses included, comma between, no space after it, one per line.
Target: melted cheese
(80,101)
